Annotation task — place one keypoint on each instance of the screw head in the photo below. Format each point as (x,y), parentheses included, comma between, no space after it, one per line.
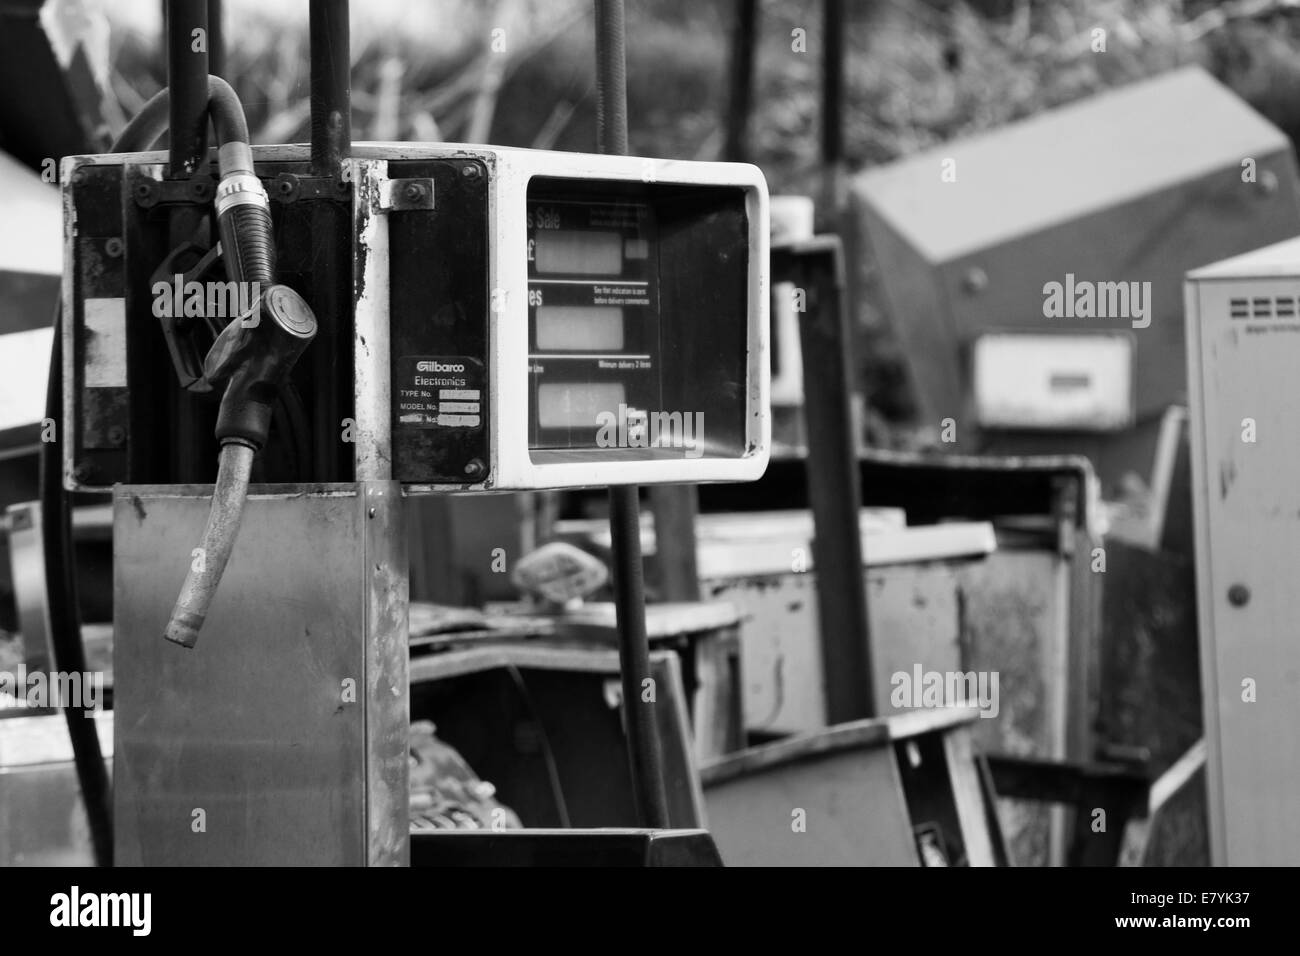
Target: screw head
(413,191)
(474,468)
(117,435)
(113,247)
(975,280)
(470,171)
(1238,595)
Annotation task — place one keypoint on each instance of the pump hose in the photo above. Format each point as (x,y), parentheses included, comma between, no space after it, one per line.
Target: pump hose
(248,248)
(65,615)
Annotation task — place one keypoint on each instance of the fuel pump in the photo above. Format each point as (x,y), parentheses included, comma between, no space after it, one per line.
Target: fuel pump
(471,319)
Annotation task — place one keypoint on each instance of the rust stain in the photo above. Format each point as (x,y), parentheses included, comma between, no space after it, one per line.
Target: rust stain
(1227,475)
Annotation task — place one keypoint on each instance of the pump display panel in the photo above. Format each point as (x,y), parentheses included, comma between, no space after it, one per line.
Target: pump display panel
(593,321)
(615,332)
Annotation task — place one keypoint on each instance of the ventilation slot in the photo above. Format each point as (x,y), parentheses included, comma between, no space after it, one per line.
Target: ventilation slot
(1265,307)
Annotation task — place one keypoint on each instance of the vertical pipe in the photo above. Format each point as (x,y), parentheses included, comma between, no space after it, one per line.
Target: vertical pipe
(675,508)
(833,104)
(216,40)
(740,100)
(186,25)
(331,96)
(611,78)
(834,487)
(187,81)
(834,482)
(331,141)
(624,507)
(634,658)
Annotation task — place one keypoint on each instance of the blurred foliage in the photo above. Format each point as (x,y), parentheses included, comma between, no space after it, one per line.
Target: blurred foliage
(918,73)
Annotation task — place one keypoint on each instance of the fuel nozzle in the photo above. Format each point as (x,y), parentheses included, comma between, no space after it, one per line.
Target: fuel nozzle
(254,354)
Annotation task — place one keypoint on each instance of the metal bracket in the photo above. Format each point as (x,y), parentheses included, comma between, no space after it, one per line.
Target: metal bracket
(290,187)
(405,195)
(150,192)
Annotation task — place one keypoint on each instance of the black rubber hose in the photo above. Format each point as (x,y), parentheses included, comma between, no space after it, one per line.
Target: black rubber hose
(227,113)
(151,121)
(246,236)
(246,244)
(65,616)
(146,126)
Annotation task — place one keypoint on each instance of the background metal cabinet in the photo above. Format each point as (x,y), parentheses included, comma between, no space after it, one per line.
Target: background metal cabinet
(1244,357)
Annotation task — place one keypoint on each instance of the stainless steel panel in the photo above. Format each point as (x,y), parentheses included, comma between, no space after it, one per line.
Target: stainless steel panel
(281,738)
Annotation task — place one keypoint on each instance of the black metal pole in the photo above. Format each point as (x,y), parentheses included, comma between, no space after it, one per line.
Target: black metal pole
(833,103)
(186,24)
(187,81)
(331,95)
(611,78)
(675,509)
(834,483)
(624,506)
(744,37)
(331,141)
(216,40)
